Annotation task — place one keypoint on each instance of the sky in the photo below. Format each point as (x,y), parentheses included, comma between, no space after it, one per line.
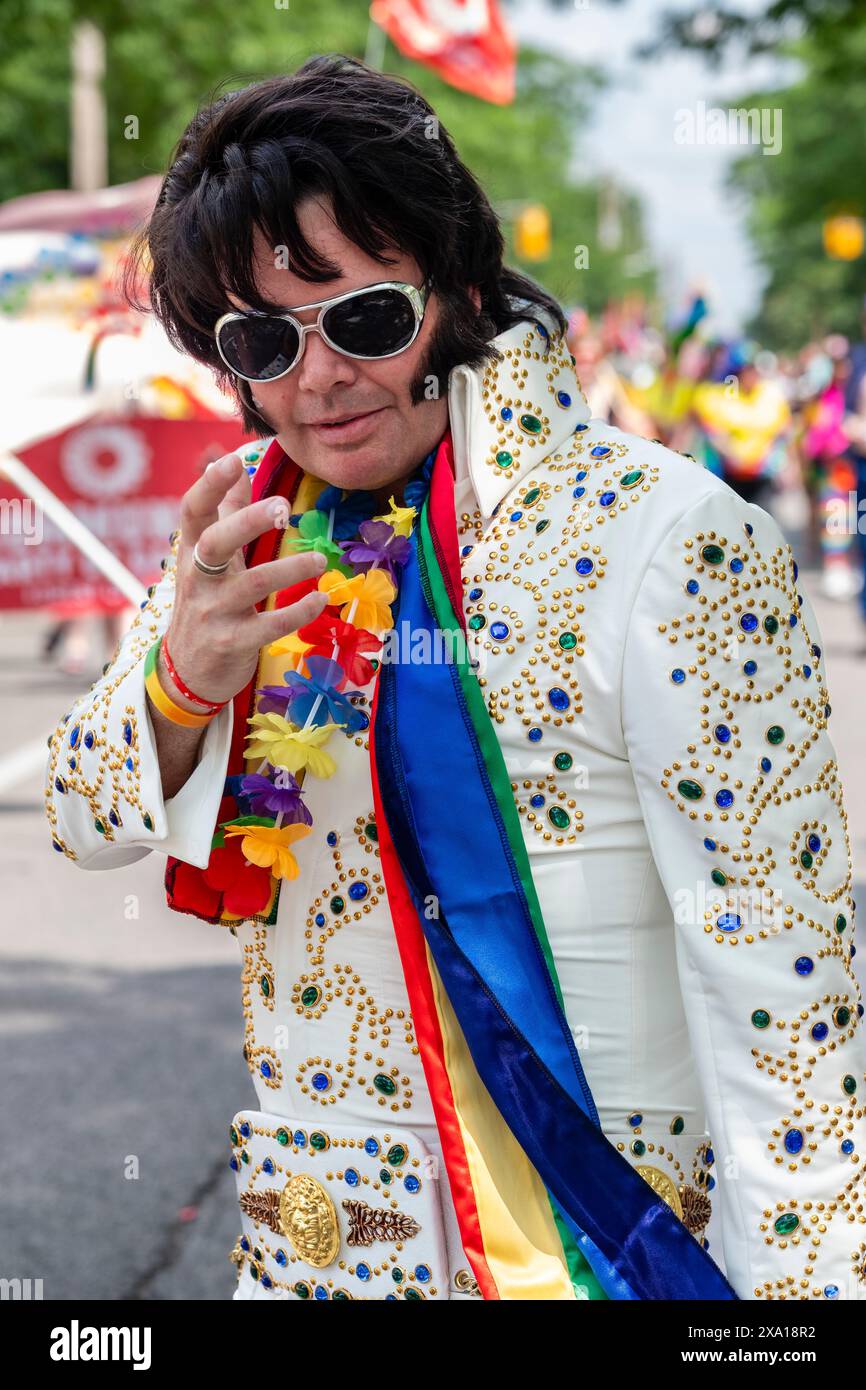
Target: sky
(695,227)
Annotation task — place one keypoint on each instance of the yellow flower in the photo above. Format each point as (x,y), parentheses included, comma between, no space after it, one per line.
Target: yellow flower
(294,647)
(268,846)
(400,518)
(365,598)
(295,749)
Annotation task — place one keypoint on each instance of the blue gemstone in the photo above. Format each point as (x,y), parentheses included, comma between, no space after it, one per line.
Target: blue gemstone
(563,398)
(89,739)
(847,1146)
(750,667)
(558,698)
(678,675)
(766,765)
(499,630)
(729,921)
(635,1120)
(364,1272)
(607,499)
(535,735)
(233,1163)
(411,1183)
(331,837)
(300,1138)
(693,586)
(422,1274)
(579,429)
(579,491)
(722,733)
(793,620)
(467,550)
(537,800)
(320,919)
(73,737)
(819,1031)
(816,651)
(357,891)
(831,1290)
(129,764)
(711,1182)
(826,711)
(127,731)
(599,451)
(724,797)
(584,565)
(268,1166)
(281,1257)
(748,622)
(579,477)
(804,965)
(807,671)
(736,565)
(709,844)
(709,1158)
(796,569)
(321,1081)
(814,842)
(475,593)
(371,1146)
(320,1292)
(245,1242)
(352,1177)
(506,412)
(515,516)
(749,528)
(246,1129)
(265,1069)
(794,1141)
(362,722)
(60,784)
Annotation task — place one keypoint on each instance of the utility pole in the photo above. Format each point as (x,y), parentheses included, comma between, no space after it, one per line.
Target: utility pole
(88,146)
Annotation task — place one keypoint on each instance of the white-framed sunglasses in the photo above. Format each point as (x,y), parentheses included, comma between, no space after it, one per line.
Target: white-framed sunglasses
(375,321)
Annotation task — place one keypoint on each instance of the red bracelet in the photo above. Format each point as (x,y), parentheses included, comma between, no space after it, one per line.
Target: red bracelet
(184,689)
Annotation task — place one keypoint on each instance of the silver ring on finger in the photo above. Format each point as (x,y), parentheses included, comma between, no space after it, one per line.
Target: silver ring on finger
(205,568)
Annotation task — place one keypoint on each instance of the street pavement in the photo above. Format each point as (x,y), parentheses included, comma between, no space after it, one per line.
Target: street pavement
(120,1034)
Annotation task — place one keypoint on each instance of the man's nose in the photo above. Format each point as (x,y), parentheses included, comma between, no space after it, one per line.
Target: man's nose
(321,367)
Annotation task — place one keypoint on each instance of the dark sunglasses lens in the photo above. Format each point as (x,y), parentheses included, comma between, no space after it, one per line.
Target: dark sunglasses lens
(260,348)
(372,325)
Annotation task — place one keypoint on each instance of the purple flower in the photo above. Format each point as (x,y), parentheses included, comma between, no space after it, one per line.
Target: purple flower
(316,697)
(268,799)
(379,546)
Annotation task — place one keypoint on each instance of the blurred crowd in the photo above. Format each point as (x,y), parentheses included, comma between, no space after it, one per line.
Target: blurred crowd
(788,432)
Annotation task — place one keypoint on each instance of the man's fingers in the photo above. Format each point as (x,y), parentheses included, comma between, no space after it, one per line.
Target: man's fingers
(281,621)
(199,506)
(255,584)
(238,495)
(225,536)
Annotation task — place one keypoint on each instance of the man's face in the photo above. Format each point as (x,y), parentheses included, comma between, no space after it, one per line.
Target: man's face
(346,420)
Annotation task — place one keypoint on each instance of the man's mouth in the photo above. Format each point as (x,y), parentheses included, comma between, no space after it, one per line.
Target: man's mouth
(346,427)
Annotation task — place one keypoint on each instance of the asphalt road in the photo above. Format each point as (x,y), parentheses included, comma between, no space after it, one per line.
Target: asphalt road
(120,1039)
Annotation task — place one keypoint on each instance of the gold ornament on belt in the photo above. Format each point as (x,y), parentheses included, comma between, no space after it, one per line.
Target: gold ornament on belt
(305,1214)
(662,1186)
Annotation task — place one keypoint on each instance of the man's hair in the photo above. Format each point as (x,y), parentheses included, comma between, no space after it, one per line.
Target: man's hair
(372,145)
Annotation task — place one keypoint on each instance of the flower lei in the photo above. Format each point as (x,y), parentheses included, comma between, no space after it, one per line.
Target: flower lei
(294,721)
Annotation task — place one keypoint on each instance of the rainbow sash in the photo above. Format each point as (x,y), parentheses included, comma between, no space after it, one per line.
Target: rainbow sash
(547,1206)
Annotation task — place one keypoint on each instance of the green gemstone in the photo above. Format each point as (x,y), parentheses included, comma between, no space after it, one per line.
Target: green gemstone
(283,1136)
(413,1295)
(99,826)
(397,1274)
(712,554)
(503,458)
(719,877)
(254,1270)
(251,458)
(371,831)
(234,1136)
(568,641)
(311,996)
(266,986)
(692,791)
(678,1124)
(340,1296)
(148,822)
(542,526)
(849,1085)
(806,859)
(775,733)
(530,423)
(337,904)
(563,761)
(396,1155)
(385,1175)
(477,621)
(245,1158)
(761,1018)
(638,1148)
(842,1016)
(784,1225)
(841,922)
(302,1290)
(561,819)
(632,478)
(318,1141)
(771,624)
(258,1254)
(385,1084)
(532,496)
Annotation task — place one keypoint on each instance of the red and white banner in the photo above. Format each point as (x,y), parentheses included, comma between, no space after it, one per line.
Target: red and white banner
(466,41)
(123,477)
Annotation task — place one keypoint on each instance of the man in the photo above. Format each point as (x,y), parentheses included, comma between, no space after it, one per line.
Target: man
(546,942)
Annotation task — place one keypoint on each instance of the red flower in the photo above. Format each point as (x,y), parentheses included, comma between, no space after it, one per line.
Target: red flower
(351,642)
(245,887)
(187,891)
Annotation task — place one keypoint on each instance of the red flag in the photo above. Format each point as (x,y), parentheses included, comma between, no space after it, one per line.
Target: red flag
(465,41)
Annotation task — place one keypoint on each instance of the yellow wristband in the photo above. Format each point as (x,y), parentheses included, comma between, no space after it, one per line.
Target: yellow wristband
(163,702)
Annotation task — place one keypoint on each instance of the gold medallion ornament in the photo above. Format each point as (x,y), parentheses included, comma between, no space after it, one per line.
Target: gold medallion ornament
(662,1186)
(309,1220)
